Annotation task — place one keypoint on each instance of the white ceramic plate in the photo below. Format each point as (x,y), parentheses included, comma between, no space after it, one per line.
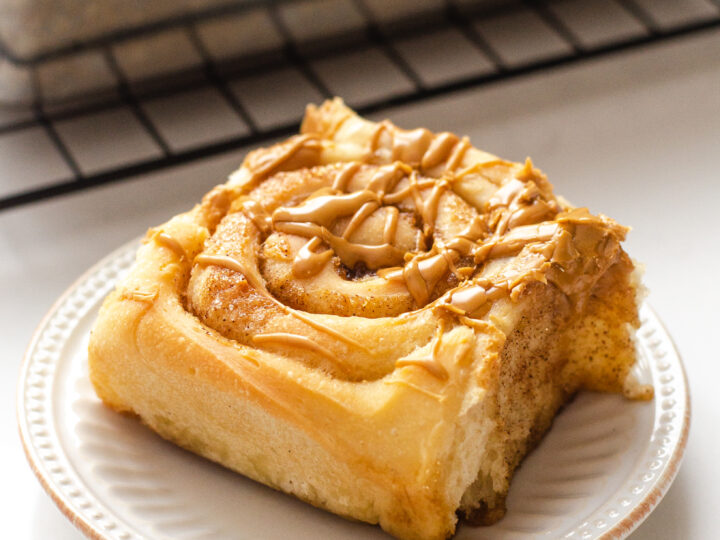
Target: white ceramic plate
(602,468)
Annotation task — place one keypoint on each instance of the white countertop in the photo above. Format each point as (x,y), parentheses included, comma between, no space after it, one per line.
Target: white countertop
(635,136)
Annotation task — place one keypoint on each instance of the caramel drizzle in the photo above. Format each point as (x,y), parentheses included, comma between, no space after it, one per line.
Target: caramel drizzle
(169,242)
(439,150)
(316,215)
(421,147)
(516,203)
(422,271)
(432,365)
(468,299)
(375,138)
(267,162)
(374,256)
(231,264)
(325,209)
(402,194)
(323,328)
(514,241)
(457,155)
(428,207)
(477,167)
(390,228)
(343,178)
(308,263)
(314,218)
(235,265)
(257,214)
(511,216)
(293,340)
(358,217)
(520,203)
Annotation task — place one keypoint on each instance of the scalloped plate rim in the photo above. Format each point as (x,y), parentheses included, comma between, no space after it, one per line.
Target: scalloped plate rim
(84,523)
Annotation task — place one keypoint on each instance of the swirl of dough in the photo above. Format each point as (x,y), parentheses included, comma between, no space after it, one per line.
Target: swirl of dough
(347,246)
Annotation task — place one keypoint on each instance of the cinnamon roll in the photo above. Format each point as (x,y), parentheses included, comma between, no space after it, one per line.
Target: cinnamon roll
(380,322)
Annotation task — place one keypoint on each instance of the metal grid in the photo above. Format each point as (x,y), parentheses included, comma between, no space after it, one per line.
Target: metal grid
(555,33)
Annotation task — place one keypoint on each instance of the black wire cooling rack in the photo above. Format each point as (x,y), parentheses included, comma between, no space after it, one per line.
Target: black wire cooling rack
(572,25)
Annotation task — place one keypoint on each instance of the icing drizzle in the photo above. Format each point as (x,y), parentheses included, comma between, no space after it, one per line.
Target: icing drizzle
(236,266)
(417,170)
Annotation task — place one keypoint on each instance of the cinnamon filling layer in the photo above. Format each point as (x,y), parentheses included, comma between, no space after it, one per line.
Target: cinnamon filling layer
(397,232)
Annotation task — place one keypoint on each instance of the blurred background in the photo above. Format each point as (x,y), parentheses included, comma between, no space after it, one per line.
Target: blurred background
(175,81)
(115,115)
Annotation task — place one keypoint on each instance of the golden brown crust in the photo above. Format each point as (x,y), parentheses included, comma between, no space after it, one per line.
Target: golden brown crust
(378,321)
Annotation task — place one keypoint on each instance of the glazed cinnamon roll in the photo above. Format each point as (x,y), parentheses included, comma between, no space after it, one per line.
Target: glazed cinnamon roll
(380,322)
